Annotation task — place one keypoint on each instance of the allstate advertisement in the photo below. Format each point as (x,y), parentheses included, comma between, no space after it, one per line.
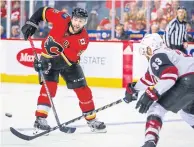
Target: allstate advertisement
(103,60)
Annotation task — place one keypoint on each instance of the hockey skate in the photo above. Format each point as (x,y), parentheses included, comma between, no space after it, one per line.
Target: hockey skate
(150,143)
(40,124)
(97,126)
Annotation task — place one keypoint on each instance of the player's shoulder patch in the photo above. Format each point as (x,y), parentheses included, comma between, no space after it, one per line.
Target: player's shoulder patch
(65,15)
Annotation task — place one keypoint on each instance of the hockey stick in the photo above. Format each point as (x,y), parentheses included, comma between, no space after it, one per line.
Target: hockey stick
(61,128)
(28,138)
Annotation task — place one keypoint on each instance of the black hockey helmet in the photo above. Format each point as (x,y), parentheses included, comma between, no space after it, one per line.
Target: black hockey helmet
(80,12)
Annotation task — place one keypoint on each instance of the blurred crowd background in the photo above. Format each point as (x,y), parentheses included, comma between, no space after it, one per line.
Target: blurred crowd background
(108,19)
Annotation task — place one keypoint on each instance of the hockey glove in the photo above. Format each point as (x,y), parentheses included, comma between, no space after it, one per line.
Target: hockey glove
(44,64)
(146,100)
(29,29)
(130,93)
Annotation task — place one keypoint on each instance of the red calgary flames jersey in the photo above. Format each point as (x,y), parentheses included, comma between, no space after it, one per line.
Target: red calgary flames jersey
(60,40)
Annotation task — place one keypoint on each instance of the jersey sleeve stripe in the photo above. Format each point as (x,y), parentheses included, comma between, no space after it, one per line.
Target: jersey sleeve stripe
(146,82)
(169,78)
(169,75)
(44,14)
(169,70)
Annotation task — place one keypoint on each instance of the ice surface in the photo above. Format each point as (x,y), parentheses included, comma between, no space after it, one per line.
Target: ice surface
(124,125)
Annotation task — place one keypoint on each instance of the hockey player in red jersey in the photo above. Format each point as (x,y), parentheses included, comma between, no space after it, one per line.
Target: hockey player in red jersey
(168,85)
(69,37)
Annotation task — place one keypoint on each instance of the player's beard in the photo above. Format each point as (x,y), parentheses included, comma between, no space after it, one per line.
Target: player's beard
(74,29)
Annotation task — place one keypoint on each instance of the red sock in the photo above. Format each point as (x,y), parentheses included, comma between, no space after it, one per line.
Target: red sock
(43,105)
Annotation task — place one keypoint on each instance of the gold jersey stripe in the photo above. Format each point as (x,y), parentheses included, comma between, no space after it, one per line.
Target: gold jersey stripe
(44,14)
(64,57)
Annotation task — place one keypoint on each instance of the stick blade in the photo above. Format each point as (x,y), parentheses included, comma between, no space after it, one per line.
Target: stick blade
(68,130)
(28,137)
(20,135)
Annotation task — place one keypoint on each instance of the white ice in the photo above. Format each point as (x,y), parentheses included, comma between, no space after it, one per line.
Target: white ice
(125,127)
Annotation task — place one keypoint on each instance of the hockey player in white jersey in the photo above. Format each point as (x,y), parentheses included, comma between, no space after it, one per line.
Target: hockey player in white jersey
(168,85)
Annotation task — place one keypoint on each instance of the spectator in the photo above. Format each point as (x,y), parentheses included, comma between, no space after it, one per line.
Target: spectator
(175,4)
(192,20)
(157,15)
(92,21)
(140,15)
(15,31)
(15,15)
(175,35)
(188,27)
(65,9)
(133,11)
(106,22)
(140,25)
(189,5)
(189,36)
(160,14)
(47,29)
(98,35)
(157,4)
(2,32)
(154,28)
(42,32)
(120,33)
(3,10)
(126,17)
(163,24)
(128,26)
(168,12)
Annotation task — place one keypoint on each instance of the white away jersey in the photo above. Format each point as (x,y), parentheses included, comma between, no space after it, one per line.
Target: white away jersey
(165,67)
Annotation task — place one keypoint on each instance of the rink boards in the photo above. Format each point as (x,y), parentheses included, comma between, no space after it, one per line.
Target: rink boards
(105,64)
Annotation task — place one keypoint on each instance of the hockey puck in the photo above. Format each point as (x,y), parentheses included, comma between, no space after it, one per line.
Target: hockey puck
(8,114)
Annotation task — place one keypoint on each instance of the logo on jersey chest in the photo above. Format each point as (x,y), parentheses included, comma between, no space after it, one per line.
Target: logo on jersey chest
(52,47)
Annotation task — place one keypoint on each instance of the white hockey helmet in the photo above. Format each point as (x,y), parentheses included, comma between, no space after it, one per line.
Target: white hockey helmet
(153,41)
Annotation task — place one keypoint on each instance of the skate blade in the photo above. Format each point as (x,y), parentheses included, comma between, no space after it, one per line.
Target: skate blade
(99,131)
